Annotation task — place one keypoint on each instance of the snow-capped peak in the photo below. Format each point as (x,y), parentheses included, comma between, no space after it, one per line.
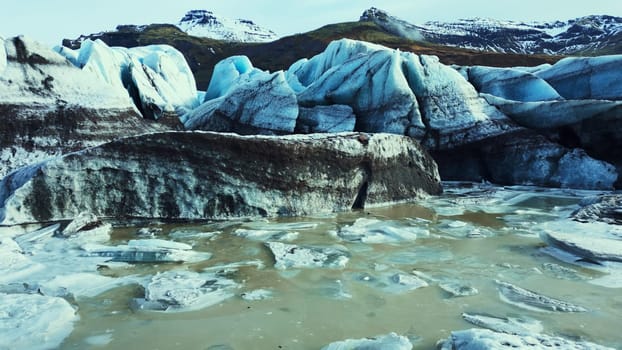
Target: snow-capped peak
(580,35)
(207,24)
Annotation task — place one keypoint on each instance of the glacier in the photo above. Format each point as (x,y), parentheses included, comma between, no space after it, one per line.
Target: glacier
(156,76)
(241,98)
(511,84)
(471,118)
(586,77)
(506,125)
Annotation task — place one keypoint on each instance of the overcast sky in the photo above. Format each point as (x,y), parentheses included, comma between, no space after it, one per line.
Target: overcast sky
(51,20)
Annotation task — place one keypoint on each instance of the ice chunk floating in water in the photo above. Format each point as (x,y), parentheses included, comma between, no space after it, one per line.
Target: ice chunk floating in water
(32,321)
(293,256)
(185,291)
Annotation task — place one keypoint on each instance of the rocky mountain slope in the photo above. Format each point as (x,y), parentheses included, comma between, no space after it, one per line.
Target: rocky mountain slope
(589,35)
(206,24)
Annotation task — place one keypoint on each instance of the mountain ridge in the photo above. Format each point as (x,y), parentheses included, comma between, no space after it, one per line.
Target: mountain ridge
(588,35)
(207,24)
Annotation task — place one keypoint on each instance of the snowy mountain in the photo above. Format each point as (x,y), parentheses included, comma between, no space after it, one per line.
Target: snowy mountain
(585,35)
(206,24)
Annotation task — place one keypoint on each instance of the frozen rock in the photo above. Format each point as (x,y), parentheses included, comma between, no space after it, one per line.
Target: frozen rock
(605,208)
(49,107)
(32,321)
(289,256)
(217,176)
(319,119)
(593,248)
(147,251)
(245,100)
(178,291)
(472,339)
(511,84)
(586,77)
(378,231)
(531,300)
(509,325)
(390,341)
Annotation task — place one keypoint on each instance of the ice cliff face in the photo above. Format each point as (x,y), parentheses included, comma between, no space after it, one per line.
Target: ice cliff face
(402,93)
(581,35)
(48,106)
(157,77)
(217,176)
(207,24)
(576,102)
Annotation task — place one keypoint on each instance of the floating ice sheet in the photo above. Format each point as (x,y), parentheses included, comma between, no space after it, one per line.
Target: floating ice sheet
(293,256)
(32,321)
(376,231)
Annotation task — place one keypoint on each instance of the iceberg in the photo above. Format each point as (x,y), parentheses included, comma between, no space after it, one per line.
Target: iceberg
(32,321)
(374,231)
(511,84)
(256,103)
(225,75)
(156,76)
(578,78)
(147,251)
(391,341)
(486,339)
(293,256)
(366,77)
(180,291)
(531,300)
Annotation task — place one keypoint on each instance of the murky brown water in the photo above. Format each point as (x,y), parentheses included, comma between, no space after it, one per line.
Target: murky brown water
(307,310)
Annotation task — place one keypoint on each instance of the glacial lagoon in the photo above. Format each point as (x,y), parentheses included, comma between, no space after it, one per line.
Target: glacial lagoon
(412,269)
